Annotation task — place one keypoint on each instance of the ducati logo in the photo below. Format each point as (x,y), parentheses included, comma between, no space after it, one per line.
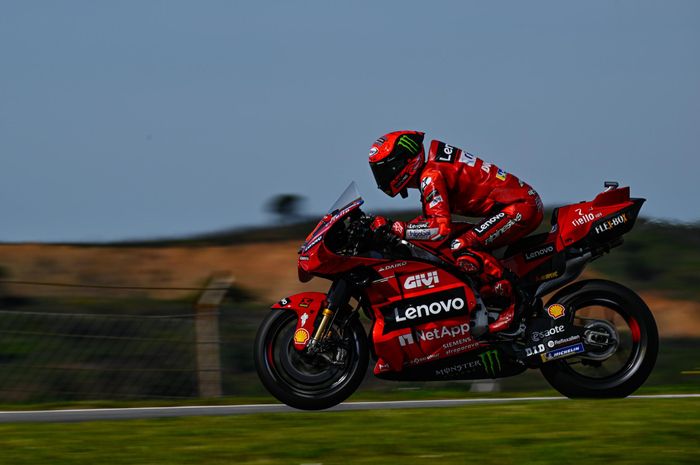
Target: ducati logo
(429,280)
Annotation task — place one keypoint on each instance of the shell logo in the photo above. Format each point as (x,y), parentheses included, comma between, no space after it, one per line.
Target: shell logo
(556,311)
(301,336)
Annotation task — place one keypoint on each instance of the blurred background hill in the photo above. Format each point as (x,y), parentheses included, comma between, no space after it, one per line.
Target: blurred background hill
(658,259)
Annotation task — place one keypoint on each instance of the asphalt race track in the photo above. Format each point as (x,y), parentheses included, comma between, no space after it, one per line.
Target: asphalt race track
(208,410)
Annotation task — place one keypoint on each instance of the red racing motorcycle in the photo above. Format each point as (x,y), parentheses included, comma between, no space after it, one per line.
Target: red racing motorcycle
(592,338)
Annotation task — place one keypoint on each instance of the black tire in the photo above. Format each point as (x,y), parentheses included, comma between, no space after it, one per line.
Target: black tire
(300,381)
(634,368)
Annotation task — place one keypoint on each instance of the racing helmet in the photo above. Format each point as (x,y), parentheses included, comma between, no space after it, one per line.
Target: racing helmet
(395,159)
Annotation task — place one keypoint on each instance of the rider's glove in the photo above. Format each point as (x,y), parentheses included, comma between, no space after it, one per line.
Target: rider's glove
(378,223)
(382,226)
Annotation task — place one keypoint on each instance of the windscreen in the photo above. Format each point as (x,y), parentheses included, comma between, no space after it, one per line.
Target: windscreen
(350,195)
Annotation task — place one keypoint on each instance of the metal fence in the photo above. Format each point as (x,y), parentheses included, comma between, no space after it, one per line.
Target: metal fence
(55,356)
(56,350)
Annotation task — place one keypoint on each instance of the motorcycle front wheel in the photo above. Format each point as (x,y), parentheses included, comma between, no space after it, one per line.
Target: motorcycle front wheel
(310,382)
(619,367)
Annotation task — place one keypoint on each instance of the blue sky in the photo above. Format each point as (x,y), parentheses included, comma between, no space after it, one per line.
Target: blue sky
(138,119)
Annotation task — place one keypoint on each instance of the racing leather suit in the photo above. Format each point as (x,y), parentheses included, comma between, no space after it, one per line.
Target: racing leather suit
(455,181)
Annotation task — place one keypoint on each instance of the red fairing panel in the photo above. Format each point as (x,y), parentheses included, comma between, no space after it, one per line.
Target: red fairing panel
(308,306)
(574,221)
(528,260)
(421,314)
(457,182)
(315,258)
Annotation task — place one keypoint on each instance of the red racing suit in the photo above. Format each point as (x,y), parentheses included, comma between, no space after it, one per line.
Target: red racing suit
(455,181)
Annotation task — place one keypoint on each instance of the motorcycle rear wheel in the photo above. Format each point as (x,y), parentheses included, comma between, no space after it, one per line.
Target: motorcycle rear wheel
(302,381)
(616,373)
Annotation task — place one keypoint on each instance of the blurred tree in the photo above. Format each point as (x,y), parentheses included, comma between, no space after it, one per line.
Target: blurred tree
(287,207)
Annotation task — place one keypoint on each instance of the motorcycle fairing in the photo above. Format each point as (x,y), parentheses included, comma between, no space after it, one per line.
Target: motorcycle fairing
(543,257)
(485,362)
(317,259)
(421,313)
(611,214)
(308,306)
(551,336)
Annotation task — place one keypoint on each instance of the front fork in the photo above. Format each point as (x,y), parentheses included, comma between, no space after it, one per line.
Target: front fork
(338,296)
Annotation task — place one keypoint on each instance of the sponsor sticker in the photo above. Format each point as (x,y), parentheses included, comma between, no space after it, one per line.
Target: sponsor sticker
(429,280)
(435,202)
(461,368)
(611,224)
(491,362)
(539,335)
(423,309)
(584,218)
(503,228)
(285,301)
(304,317)
(406,339)
(567,340)
(409,144)
(436,334)
(373,151)
(301,336)
(538,349)
(421,234)
(487,224)
(382,367)
(310,245)
(418,360)
(501,175)
(392,266)
(456,244)
(445,153)
(538,253)
(556,311)
(563,352)
(401,180)
(547,276)
(468,159)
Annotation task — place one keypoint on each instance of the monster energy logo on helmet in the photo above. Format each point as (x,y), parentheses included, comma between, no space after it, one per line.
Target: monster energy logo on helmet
(490,360)
(409,144)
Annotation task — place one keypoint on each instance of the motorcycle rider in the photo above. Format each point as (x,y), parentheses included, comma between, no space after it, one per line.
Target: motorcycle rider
(455,181)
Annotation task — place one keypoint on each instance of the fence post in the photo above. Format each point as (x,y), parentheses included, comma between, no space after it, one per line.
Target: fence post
(207,336)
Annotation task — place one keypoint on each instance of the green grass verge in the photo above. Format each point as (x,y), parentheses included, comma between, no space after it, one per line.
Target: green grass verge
(632,431)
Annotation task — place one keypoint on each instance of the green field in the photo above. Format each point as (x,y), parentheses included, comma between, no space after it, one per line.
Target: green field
(631,431)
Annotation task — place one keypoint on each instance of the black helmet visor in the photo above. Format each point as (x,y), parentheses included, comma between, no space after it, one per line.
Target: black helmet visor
(385,171)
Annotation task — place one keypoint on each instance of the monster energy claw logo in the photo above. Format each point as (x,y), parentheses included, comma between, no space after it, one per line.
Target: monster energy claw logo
(490,360)
(409,144)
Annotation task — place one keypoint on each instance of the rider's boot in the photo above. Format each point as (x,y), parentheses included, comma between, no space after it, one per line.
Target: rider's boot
(488,271)
(504,288)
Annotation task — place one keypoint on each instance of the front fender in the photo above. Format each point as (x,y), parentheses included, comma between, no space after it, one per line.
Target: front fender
(308,307)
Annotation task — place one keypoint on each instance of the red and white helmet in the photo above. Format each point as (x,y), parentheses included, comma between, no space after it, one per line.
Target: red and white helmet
(396,158)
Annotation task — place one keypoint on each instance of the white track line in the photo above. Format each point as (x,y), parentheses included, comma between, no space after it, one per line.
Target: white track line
(67,415)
